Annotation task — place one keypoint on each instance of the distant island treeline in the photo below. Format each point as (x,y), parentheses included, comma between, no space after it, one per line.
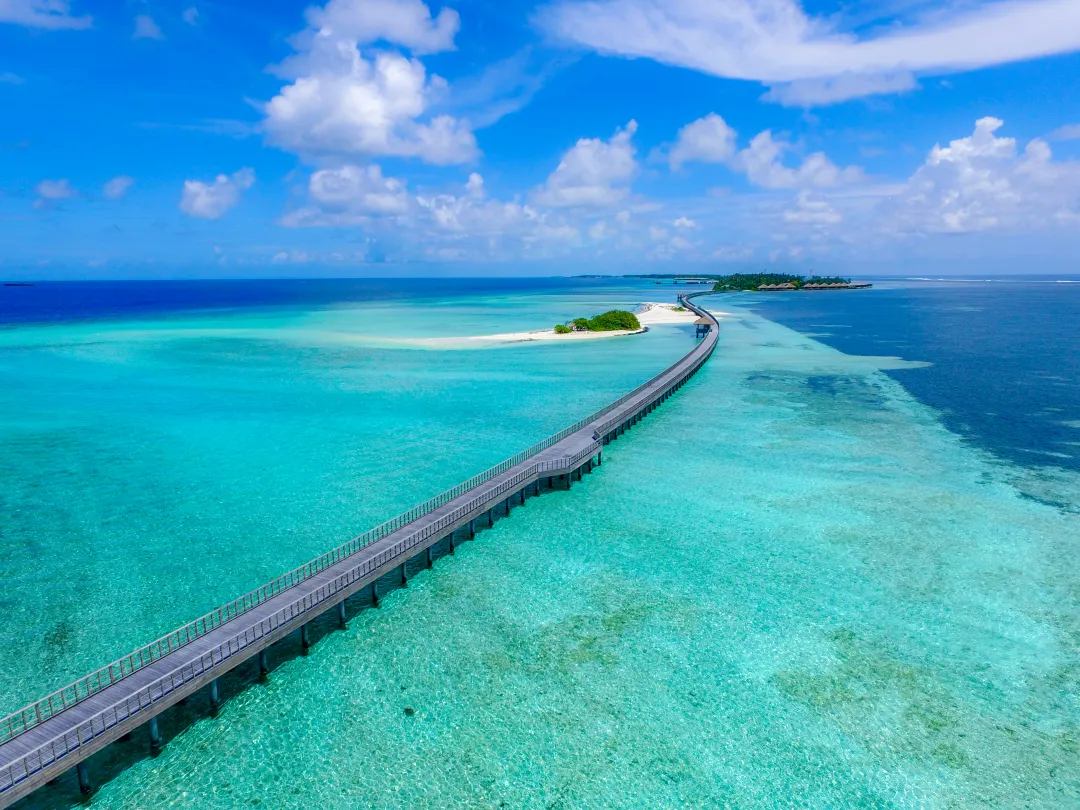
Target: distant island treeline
(615,320)
(758,282)
(782,281)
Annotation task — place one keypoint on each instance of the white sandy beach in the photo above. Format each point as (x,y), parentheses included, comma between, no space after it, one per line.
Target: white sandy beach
(650,313)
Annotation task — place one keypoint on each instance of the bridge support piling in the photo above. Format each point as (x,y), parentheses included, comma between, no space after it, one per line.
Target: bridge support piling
(451,542)
(523,496)
(155,737)
(215,697)
(375,593)
(404,575)
(507,505)
(491,518)
(429,563)
(472,528)
(341,614)
(305,638)
(264,664)
(84,779)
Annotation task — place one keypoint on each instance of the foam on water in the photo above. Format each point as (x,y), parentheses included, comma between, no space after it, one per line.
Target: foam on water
(790,586)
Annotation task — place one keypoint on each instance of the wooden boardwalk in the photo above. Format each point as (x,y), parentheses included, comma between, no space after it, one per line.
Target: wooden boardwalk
(60,731)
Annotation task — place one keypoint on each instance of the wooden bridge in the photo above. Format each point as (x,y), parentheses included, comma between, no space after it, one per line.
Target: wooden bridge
(62,730)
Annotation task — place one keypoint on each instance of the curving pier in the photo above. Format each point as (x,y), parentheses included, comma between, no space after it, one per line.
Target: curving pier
(63,729)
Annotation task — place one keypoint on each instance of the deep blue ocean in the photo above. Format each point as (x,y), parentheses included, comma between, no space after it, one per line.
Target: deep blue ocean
(1004,353)
(51,302)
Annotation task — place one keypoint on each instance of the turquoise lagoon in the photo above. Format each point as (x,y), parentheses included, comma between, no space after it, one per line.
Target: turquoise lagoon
(772,594)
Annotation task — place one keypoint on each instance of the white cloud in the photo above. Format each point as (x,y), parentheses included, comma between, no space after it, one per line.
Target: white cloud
(810,211)
(777,42)
(593,172)
(711,140)
(401,22)
(684,223)
(146,28)
(48,14)
(834,89)
(292,257)
(1069,132)
(49,192)
(117,187)
(732,253)
(600,230)
(212,200)
(461,224)
(503,87)
(707,140)
(761,163)
(982,183)
(341,103)
(350,195)
(191,16)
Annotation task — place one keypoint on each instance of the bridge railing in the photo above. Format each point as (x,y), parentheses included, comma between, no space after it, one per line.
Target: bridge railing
(27,718)
(106,719)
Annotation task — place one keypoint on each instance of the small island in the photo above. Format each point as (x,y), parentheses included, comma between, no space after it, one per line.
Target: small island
(770,282)
(612,324)
(615,320)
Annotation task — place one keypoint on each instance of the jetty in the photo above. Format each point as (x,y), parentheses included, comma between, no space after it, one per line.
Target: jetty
(61,730)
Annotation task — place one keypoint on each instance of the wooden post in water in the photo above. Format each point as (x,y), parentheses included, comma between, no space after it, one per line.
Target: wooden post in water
(264,665)
(84,779)
(451,542)
(429,556)
(305,639)
(472,528)
(341,614)
(375,593)
(404,575)
(215,697)
(155,737)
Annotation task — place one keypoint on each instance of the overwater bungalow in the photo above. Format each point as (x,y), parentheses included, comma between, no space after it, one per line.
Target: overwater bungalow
(836,285)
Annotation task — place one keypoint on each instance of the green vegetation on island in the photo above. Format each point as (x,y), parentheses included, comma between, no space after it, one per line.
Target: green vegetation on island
(612,321)
(754,281)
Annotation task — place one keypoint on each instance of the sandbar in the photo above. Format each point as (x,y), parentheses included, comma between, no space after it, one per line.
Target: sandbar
(650,313)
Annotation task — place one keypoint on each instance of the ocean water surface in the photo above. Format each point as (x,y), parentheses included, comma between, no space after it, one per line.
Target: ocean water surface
(1005,369)
(163,451)
(792,586)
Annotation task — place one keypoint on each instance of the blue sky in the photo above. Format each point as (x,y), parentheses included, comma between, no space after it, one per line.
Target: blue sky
(382,137)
